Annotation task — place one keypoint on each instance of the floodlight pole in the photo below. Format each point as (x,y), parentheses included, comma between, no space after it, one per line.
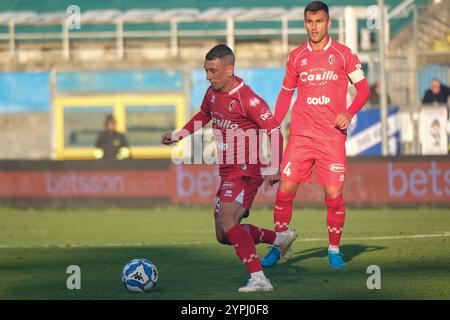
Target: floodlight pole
(383,95)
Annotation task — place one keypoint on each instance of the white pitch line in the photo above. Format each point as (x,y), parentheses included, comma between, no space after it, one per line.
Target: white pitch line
(412,236)
(117,245)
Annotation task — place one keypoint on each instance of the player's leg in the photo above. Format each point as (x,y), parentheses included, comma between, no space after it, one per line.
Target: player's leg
(282,217)
(258,234)
(335,224)
(246,188)
(230,231)
(293,171)
(228,224)
(331,169)
(282,212)
(296,168)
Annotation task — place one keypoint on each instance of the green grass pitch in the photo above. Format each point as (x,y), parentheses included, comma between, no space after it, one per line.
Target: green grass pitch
(411,247)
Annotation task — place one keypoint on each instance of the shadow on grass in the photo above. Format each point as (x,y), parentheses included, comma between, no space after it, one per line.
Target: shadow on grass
(185,272)
(349,250)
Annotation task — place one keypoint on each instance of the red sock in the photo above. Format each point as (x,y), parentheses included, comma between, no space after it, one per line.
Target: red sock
(260,235)
(245,248)
(335,219)
(282,212)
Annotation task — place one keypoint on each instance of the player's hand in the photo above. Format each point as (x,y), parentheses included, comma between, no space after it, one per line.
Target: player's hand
(168,138)
(271,178)
(343,120)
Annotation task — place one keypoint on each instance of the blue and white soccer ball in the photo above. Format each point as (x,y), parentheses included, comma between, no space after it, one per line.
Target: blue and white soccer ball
(139,275)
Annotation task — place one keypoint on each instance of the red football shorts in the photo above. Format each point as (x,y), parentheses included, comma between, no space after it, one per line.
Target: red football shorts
(237,188)
(303,152)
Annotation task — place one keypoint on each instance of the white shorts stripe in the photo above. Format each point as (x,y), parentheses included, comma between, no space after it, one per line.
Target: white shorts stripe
(240,197)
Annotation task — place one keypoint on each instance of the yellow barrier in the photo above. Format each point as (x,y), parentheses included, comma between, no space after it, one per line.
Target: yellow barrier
(118,103)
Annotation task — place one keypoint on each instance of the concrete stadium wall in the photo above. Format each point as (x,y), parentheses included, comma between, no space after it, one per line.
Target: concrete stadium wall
(25,136)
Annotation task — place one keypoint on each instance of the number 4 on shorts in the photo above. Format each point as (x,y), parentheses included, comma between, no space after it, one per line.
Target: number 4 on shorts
(287,169)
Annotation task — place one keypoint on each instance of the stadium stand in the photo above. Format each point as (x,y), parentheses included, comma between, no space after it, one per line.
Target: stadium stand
(46,56)
(156,30)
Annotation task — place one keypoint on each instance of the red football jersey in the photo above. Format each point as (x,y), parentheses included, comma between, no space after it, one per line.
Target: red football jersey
(237,117)
(321,79)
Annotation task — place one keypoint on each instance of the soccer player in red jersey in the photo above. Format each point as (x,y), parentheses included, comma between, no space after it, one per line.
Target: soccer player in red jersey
(238,114)
(320,70)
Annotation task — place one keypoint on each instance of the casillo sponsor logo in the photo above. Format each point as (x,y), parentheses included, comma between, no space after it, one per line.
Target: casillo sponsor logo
(223,123)
(323,100)
(326,75)
(337,167)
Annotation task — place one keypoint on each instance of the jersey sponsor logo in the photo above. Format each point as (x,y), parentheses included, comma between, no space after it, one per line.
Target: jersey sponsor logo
(337,167)
(323,100)
(219,121)
(266,114)
(321,76)
(227,185)
(254,102)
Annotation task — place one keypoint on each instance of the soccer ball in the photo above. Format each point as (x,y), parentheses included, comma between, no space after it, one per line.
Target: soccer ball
(139,275)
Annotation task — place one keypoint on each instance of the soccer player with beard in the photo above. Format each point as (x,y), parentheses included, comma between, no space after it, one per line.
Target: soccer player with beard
(320,70)
(238,114)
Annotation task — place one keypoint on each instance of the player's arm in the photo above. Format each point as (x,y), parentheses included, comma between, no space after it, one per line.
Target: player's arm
(264,119)
(198,121)
(362,95)
(357,77)
(287,91)
(276,146)
(283,103)
(271,173)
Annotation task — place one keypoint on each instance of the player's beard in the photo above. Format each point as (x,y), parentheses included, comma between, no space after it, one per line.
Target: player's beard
(318,41)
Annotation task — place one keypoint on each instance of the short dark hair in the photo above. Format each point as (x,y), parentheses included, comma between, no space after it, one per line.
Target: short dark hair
(110,118)
(220,51)
(316,6)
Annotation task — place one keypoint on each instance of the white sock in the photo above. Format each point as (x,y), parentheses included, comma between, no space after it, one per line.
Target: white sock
(280,237)
(258,274)
(333,248)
